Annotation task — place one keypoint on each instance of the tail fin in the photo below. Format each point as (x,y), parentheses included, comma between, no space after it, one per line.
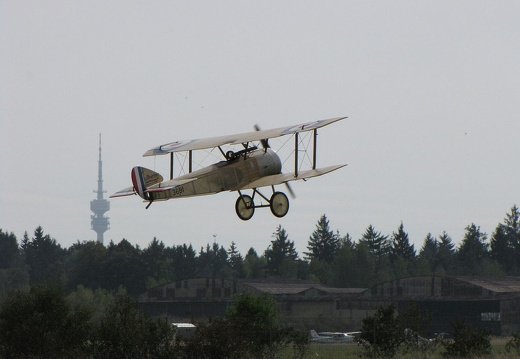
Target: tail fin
(142,178)
(314,335)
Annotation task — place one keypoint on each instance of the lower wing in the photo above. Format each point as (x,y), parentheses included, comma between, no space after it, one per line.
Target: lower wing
(286,177)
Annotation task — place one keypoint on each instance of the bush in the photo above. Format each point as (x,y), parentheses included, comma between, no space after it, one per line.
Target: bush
(127,332)
(467,342)
(381,334)
(513,345)
(249,330)
(41,324)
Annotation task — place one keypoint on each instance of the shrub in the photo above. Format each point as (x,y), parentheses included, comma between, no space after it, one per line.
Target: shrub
(513,345)
(381,334)
(467,342)
(40,323)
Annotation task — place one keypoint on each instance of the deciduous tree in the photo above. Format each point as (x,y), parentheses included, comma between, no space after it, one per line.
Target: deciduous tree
(39,323)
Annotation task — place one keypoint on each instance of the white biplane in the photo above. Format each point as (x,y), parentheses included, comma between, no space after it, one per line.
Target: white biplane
(248,168)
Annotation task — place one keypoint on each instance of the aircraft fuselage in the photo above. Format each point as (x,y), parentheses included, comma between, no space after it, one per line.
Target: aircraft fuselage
(230,175)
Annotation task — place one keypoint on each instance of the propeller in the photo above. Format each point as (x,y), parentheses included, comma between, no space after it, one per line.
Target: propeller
(290,190)
(265,145)
(264,142)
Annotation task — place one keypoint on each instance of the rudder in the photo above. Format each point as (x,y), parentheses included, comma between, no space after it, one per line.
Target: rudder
(142,178)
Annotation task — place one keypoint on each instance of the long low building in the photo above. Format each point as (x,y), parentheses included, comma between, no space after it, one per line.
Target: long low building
(300,303)
(488,302)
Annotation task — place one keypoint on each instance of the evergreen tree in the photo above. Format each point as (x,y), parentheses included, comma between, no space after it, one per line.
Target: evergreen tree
(512,226)
(473,251)
(281,255)
(505,242)
(254,266)
(157,264)
(323,243)
(502,250)
(9,252)
(378,245)
(44,257)
(445,252)
(429,253)
(401,246)
(402,253)
(353,265)
(236,262)
(213,262)
(184,261)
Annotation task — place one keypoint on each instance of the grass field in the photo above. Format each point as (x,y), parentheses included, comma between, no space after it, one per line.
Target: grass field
(353,351)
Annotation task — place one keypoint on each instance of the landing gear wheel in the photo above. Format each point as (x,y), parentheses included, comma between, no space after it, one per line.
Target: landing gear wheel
(245,207)
(279,204)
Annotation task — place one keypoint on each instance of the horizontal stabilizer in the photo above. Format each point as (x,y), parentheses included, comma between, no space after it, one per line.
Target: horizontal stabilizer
(124,192)
(286,177)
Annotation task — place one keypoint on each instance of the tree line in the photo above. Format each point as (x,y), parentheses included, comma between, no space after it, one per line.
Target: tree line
(329,258)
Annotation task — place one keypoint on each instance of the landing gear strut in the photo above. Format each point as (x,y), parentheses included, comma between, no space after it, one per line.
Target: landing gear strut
(245,206)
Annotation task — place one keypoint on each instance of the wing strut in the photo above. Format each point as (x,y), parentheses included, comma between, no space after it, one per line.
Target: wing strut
(190,154)
(296,154)
(190,163)
(171,165)
(314,148)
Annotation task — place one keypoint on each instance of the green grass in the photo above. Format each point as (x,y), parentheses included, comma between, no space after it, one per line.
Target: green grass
(353,351)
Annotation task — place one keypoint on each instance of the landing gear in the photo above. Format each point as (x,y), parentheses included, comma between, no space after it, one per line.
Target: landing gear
(279,204)
(245,206)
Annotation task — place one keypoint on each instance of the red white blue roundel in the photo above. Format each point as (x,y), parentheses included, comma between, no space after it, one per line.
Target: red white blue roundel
(172,146)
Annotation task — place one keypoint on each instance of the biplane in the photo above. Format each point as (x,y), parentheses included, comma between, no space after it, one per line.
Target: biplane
(250,167)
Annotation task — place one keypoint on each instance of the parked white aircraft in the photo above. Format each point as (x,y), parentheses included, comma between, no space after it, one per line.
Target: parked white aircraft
(332,337)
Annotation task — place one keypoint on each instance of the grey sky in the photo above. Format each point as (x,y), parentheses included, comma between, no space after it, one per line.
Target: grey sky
(431,89)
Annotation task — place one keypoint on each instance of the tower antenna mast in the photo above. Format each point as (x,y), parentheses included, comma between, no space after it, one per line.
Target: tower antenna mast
(99,206)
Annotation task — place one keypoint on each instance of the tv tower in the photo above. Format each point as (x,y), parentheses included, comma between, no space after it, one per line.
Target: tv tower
(99,205)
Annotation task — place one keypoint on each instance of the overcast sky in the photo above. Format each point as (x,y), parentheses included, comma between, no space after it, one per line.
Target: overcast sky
(431,89)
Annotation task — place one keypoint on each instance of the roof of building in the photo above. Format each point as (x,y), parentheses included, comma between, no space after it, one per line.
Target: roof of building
(447,287)
(294,287)
(494,284)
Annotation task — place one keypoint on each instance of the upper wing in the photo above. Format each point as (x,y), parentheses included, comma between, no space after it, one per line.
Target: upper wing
(286,177)
(211,142)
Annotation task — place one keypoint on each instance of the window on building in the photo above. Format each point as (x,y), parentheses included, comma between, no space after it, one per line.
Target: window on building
(490,317)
